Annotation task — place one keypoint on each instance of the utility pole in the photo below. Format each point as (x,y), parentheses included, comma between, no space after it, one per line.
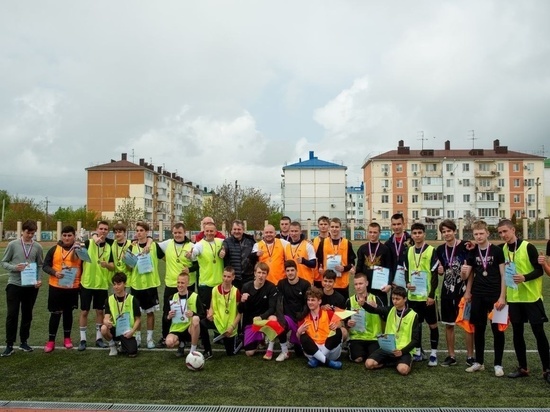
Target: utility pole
(472,137)
(235,201)
(537,210)
(47,203)
(421,134)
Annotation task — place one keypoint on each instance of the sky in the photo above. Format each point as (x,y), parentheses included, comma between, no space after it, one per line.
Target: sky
(219,91)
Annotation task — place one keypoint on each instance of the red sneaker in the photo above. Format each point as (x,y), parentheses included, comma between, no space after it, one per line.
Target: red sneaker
(67,343)
(50,346)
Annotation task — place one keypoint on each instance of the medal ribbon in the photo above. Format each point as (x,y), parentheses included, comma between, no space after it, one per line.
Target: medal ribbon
(183,308)
(372,257)
(121,307)
(450,259)
(484,259)
(515,250)
(26,251)
(398,248)
(417,264)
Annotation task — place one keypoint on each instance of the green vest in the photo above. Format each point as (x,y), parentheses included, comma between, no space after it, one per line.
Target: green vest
(142,281)
(127,307)
(173,267)
(423,266)
(191,305)
(530,291)
(225,311)
(118,258)
(93,275)
(211,274)
(404,334)
(373,323)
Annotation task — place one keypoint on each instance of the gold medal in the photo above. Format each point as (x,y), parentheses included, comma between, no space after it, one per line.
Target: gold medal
(214,261)
(227,311)
(177,261)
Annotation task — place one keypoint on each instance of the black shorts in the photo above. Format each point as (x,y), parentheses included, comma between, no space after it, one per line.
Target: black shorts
(98,296)
(184,336)
(385,358)
(424,312)
(148,299)
(128,346)
(532,312)
(481,307)
(361,348)
(449,310)
(61,299)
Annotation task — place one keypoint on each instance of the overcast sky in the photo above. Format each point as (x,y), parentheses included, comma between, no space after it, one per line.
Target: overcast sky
(232,90)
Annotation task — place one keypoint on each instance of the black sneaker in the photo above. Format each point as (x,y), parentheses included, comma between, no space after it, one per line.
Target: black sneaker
(207,355)
(161,344)
(25,347)
(7,352)
(100,344)
(519,373)
(470,361)
(82,346)
(180,353)
(449,361)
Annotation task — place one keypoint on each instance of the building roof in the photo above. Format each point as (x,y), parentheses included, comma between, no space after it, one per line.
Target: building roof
(314,163)
(117,165)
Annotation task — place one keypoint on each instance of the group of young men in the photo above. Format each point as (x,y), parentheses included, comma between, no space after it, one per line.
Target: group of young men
(300,288)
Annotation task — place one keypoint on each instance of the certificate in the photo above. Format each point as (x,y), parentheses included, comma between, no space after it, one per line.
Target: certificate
(122,324)
(467,311)
(28,275)
(333,261)
(399,278)
(501,316)
(179,317)
(387,342)
(83,254)
(359,318)
(420,281)
(69,276)
(144,264)
(380,277)
(509,272)
(130,259)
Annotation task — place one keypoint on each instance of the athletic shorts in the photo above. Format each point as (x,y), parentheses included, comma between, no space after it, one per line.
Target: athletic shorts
(252,339)
(532,312)
(362,348)
(128,346)
(424,312)
(449,310)
(98,296)
(148,299)
(385,358)
(481,307)
(184,336)
(60,299)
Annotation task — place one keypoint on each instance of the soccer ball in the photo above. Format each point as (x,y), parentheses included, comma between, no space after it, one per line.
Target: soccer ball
(194,361)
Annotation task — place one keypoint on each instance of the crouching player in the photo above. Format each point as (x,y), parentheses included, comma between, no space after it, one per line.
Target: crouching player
(186,311)
(321,339)
(222,315)
(402,322)
(122,318)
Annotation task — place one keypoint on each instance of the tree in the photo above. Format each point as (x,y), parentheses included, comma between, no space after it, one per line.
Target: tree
(192,216)
(128,213)
(4,201)
(70,216)
(22,208)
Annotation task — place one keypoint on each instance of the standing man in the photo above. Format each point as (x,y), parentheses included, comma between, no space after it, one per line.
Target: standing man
(398,243)
(375,255)
(523,276)
(64,269)
(118,249)
(175,254)
(23,259)
(200,235)
(284,225)
(544,260)
(271,251)
(323,224)
(94,285)
(301,251)
(451,255)
(336,253)
(238,248)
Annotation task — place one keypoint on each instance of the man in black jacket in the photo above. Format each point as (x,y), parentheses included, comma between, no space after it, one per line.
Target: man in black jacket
(237,248)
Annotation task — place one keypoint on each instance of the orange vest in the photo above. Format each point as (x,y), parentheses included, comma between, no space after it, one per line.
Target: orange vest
(341,282)
(319,331)
(274,257)
(70,261)
(294,252)
(316,242)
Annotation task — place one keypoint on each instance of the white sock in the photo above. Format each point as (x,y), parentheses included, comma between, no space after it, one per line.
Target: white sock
(193,348)
(320,356)
(111,343)
(270,346)
(138,337)
(149,335)
(284,347)
(83,333)
(418,351)
(98,334)
(433,352)
(181,345)
(323,349)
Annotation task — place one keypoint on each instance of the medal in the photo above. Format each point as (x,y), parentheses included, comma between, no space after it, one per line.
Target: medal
(484,273)
(227,311)
(182,318)
(99,261)
(178,261)
(484,259)
(119,264)
(214,261)
(396,336)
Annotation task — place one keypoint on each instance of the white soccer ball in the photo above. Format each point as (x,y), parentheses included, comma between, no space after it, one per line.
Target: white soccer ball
(194,361)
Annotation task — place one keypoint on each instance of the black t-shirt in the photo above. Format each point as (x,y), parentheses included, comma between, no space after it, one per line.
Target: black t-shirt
(261,302)
(453,285)
(486,285)
(335,300)
(294,297)
(381,256)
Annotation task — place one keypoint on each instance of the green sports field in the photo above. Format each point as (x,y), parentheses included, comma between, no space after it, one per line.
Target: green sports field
(157,376)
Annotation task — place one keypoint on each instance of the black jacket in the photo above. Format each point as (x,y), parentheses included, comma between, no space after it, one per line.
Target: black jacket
(236,255)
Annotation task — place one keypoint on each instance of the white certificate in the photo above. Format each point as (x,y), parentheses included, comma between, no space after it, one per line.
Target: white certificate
(69,276)
(399,278)
(359,318)
(179,317)
(420,281)
(144,264)
(509,272)
(333,261)
(28,275)
(501,316)
(387,342)
(122,324)
(380,277)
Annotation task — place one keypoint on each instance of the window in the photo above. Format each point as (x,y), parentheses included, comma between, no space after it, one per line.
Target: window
(485,182)
(385,199)
(414,183)
(502,198)
(415,214)
(501,182)
(450,214)
(435,181)
(449,167)
(399,183)
(414,198)
(432,212)
(465,167)
(487,212)
(484,167)
(529,182)
(431,167)
(449,183)
(502,214)
(148,189)
(490,196)
(518,213)
(530,167)
(385,182)
(515,167)
(532,214)
(385,214)
(450,198)
(399,199)
(148,176)
(399,167)
(414,167)
(531,198)
(465,182)
(433,196)
(516,199)
(500,167)
(517,183)
(385,168)
(466,198)
(360,212)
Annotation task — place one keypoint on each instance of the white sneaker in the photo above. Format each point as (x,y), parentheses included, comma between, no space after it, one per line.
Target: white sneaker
(113,351)
(499,371)
(282,357)
(151,344)
(475,367)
